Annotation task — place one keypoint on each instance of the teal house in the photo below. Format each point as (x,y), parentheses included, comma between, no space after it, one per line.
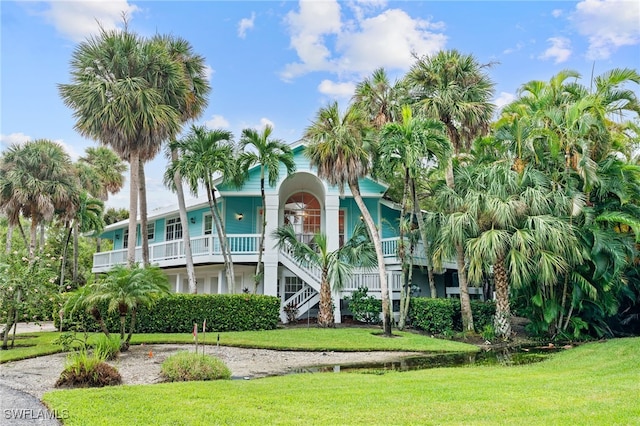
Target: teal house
(301,199)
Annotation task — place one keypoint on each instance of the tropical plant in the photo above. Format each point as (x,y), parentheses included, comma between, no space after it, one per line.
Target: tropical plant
(127,288)
(379,99)
(203,155)
(37,181)
(340,150)
(268,154)
(84,370)
(408,147)
(335,266)
(453,88)
(364,308)
(123,93)
(186,366)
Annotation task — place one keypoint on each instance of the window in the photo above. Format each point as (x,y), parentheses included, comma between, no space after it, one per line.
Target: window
(208,224)
(151,231)
(341,227)
(302,211)
(125,238)
(291,286)
(173,229)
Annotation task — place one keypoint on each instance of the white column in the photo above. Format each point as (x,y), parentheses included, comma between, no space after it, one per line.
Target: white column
(220,281)
(270,255)
(207,285)
(178,283)
(332,228)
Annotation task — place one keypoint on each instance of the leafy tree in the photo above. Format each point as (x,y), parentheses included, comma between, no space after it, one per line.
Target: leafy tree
(339,150)
(335,266)
(268,154)
(379,99)
(203,155)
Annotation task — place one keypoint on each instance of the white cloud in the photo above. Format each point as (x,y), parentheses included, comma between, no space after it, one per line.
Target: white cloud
(503,99)
(556,13)
(559,51)
(246,24)
(13,138)
(264,122)
(359,45)
(78,19)
(208,72)
(608,25)
(336,90)
(510,50)
(217,122)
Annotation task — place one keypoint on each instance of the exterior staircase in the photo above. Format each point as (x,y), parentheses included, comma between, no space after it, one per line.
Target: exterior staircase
(309,294)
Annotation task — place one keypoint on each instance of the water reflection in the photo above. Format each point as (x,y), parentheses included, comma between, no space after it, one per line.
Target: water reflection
(499,356)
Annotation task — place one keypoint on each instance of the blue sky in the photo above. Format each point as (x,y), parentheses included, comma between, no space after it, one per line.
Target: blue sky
(278,62)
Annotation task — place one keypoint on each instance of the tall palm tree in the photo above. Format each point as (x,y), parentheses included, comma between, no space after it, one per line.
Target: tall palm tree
(453,88)
(127,288)
(189,104)
(339,149)
(335,266)
(203,155)
(268,154)
(37,181)
(379,99)
(408,146)
(119,92)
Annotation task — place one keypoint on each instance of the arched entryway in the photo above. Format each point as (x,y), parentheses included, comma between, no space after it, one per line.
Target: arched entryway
(303,212)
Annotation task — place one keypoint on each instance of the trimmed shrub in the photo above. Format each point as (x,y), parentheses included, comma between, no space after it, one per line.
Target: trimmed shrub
(83,370)
(442,316)
(176,313)
(431,315)
(187,366)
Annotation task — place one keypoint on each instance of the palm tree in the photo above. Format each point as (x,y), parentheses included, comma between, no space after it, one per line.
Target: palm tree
(268,153)
(380,100)
(408,146)
(119,93)
(189,104)
(521,238)
(37,181)
(109,170)
(339,150)
(127,288)
(453,88)
(335,266)
(203,155)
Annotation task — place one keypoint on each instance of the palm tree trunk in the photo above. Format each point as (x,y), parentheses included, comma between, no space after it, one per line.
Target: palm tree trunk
(24,236)
(375,237)
(258,275)
(63,261)
(133,207)
(132,326)
(224,247)
(404,294)
(34,237)
(425,240)
(502,322)
(191,274)
(9,238)
(95,313)
(325,316)
(76,252)
(144,236)
(465,302)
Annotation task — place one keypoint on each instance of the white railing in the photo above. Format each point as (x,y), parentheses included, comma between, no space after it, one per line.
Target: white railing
(208,245)
(301,296)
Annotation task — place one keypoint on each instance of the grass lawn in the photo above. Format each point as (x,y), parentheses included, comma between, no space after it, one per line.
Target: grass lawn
(31,345)
(597,383)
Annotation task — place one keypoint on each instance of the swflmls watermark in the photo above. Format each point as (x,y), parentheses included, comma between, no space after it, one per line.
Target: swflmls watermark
(34,414)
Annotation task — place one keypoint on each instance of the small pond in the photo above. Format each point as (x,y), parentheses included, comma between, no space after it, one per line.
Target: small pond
(499,356)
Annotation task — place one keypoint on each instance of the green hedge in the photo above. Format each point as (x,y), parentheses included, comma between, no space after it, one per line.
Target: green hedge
(176,313)
(440,316)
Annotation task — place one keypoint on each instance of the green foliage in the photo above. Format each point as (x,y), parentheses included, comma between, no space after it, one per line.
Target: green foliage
(188,366)
(69,340)
(442,316)
(107,347)
(432,315)
(176,313)
(291,311)
(364,308)
(84,370)
(28,288)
